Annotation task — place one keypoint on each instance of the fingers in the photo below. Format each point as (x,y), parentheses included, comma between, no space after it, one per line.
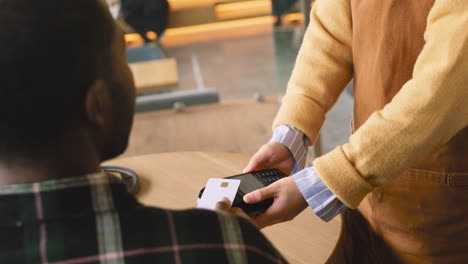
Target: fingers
(288,203)
(239,212)
(223,205)
(271,155)
(258,160)
(273,215)
(265,220)
(254,163)
(261,194)
(251,166)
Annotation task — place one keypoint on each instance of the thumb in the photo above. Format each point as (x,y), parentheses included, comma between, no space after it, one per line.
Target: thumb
(223,205)
(251,166)
(261,194)
(256,161)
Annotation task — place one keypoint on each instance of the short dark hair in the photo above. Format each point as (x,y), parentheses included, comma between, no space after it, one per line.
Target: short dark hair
(51,51)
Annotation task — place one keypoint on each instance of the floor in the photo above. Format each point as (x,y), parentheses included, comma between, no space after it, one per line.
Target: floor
(236,126)
(237,67)
(241,66)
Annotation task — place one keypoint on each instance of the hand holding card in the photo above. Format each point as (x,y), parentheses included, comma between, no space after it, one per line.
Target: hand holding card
(215,190)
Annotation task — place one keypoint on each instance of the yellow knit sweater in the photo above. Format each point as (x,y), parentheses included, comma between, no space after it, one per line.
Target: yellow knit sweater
(429,109)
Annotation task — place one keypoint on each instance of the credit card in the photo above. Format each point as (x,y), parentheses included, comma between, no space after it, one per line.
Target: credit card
(215,190)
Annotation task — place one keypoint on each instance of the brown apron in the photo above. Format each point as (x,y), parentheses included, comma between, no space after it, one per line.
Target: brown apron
(422,216)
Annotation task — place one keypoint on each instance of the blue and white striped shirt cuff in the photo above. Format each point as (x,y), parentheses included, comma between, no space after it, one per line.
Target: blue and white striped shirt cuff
(323,202)
(295,141)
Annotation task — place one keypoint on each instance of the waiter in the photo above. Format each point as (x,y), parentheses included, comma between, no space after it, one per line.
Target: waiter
(401,182)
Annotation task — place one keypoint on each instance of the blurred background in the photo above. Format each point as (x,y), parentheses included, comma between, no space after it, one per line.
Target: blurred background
(210,74)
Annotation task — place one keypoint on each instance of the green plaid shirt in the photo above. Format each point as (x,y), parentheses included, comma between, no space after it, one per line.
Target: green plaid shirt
(93,219)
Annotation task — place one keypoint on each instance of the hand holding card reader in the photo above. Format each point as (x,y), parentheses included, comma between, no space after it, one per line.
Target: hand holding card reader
(250,182)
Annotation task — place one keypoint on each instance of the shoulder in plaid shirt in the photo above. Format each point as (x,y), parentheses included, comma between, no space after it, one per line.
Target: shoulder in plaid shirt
(92,219)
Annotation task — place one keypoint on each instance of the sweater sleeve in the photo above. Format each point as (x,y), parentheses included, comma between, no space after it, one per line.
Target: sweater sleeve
(322,70)
(428,111)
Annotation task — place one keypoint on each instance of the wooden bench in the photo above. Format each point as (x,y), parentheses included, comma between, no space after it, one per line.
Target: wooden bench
(155,75)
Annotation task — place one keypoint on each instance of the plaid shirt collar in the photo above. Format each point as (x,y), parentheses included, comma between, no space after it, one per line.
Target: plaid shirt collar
(62,198)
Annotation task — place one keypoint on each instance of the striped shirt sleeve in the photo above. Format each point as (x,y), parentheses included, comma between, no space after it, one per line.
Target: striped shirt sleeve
(295,141)
(323,202)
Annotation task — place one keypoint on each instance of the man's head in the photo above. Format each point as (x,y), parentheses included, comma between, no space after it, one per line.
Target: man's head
(63,73)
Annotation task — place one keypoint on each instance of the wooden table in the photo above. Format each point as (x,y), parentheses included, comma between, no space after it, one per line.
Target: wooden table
(173,180)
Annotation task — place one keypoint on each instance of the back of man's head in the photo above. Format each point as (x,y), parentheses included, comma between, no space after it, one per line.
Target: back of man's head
(51,52)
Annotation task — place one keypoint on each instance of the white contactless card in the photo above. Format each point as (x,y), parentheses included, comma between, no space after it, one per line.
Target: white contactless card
(215,190)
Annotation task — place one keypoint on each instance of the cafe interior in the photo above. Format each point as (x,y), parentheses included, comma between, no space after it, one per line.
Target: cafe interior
(210,75)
